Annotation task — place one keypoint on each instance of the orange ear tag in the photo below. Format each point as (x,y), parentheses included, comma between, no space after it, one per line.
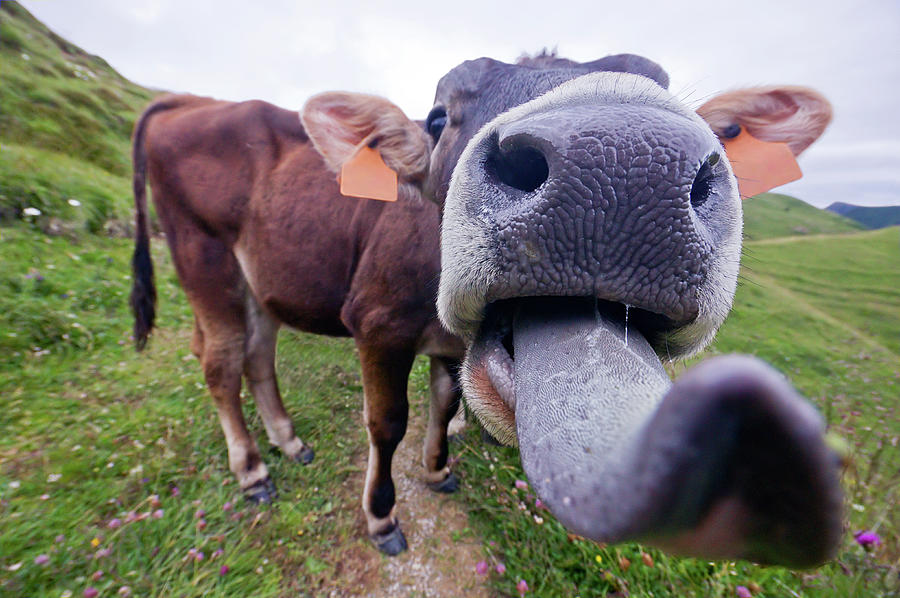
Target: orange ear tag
(760,165)
(366,175)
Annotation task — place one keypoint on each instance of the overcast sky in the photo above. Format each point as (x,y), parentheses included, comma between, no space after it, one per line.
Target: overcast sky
(284,51)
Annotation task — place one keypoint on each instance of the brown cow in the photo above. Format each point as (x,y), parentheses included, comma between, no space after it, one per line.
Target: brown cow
(592,227)
(260,237)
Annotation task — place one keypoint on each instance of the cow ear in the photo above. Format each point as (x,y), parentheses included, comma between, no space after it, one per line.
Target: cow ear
(793,115)
(340,124)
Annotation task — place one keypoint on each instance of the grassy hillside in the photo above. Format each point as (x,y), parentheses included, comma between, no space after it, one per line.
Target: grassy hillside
(868,216)
(120,427)
(62,111)
(772,215)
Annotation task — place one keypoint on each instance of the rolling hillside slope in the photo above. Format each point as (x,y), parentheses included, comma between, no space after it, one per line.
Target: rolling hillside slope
(772,215)
(65,126)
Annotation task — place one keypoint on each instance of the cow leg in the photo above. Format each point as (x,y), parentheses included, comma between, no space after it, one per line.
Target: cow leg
(222,359)
(259,371)
(385,376)
(445,397)
(216,290)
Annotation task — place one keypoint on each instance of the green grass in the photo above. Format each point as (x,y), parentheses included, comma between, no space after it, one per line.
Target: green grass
(770,215)
(118,427)
(64,189)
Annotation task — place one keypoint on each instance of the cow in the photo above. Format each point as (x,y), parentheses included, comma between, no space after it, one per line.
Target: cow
(591,228)
(260,237)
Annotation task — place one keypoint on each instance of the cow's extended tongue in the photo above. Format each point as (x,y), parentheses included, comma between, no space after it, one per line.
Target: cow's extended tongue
(706,467)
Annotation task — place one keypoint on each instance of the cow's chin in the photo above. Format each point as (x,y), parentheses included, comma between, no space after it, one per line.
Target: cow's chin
(489,371)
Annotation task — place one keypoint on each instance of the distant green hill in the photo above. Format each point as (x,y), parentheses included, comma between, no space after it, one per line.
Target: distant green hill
(772,215)
(65,126)
(870,217)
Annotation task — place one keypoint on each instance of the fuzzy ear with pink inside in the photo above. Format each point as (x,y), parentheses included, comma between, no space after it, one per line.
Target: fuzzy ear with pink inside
(340,124)
(763,129)
(787,114)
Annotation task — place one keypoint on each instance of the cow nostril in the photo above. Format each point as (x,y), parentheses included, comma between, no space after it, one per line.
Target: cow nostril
(522,167)
(703,181)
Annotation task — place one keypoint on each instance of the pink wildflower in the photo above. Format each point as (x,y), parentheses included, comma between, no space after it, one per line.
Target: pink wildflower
(216,553)
(227,506)
(125,591)
(867,539)
(201,525)
(522,586)
(102,553)
(97,575)
(742,592)
(90,592)
(131,516)
(538,504)
(481,568)
(41,559)
(223,570)
(521,485)
(501,568)
(200,514)
(175,491)
(60,539)
(158,513)
(199,556)
(114,523)
(154,500)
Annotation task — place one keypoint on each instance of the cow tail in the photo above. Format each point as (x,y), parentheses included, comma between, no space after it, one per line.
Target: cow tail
(143,290)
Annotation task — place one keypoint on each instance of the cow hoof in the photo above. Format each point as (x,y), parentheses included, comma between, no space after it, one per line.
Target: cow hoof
(392,542)
(262,492)
(448,485)
(305,456)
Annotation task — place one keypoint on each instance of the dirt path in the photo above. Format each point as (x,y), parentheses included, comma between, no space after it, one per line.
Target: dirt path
(440,562)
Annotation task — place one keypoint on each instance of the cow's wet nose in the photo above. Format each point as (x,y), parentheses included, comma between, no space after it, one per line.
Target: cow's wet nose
(617,202)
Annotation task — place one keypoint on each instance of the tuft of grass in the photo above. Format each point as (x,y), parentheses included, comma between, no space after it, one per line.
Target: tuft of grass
(63,189)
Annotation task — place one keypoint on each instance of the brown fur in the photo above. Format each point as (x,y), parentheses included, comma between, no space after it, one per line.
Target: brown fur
(260,236)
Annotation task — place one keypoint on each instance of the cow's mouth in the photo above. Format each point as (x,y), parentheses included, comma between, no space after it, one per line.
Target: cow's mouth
(490,365)
(727,462)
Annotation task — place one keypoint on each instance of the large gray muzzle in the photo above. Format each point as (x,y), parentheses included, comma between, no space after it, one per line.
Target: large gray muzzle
(585,233)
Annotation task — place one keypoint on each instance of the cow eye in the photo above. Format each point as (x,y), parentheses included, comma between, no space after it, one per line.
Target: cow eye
(436,121)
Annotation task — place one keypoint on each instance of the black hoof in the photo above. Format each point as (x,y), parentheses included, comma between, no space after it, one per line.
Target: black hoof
(392,542)
(305,456)
(448,485)
(262,492)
